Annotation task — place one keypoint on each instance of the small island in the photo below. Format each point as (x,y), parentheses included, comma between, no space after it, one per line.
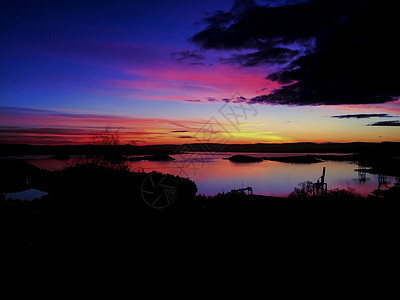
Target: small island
(244,159)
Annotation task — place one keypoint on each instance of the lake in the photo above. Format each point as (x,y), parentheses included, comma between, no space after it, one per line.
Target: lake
(213,174)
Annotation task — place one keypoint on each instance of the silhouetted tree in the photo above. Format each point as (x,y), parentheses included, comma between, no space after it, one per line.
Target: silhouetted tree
(106,138)
(107,153)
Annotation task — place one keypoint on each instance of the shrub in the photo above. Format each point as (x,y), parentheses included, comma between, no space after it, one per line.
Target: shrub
(343,194)
(305,191)
(302,191)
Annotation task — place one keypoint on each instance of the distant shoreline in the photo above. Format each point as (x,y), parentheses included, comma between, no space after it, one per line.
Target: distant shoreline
(391,148)
(379,158)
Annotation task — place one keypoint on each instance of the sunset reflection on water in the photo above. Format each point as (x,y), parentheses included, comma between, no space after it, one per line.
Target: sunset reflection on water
(213,175)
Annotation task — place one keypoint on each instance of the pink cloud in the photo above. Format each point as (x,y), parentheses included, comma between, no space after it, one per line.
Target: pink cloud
(154,74)
(187,82)
(20,125)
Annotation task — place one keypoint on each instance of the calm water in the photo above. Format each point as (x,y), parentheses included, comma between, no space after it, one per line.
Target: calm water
(27,195)
(212,174)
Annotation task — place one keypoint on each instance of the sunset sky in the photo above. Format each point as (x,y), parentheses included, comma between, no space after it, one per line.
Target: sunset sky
(174,72)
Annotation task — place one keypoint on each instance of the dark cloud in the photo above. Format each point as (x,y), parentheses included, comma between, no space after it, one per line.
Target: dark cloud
(385,123)
(274,3)
(196,63)
(277,55)
(186,137)
(187,56)
(362,116)
(49,135)
(326,51)
(179,131)
(8,130)
(57,132)
(236,98)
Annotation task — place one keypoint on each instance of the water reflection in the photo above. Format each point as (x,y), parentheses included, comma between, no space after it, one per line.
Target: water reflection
(212,174)
(27,195)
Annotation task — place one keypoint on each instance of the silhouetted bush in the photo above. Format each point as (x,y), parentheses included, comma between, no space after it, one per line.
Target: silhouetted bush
(343,194)
(305,191)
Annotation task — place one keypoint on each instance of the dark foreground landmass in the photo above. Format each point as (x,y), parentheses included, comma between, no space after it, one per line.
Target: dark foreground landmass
(92,207)
(97,208)
(77,222)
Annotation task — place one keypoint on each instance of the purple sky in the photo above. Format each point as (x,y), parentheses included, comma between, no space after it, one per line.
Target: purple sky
(71,68)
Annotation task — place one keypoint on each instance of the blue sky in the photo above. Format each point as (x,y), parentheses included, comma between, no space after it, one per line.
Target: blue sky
(132,60)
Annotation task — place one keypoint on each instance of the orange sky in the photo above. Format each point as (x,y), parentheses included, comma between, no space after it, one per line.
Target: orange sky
(226,124)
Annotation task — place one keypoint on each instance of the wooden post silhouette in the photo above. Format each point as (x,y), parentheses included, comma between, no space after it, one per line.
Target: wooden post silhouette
(320,187)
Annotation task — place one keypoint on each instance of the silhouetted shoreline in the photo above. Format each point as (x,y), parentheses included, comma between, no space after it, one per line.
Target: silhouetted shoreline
(357,147)
(95,206)
(244,159)
(376,157)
